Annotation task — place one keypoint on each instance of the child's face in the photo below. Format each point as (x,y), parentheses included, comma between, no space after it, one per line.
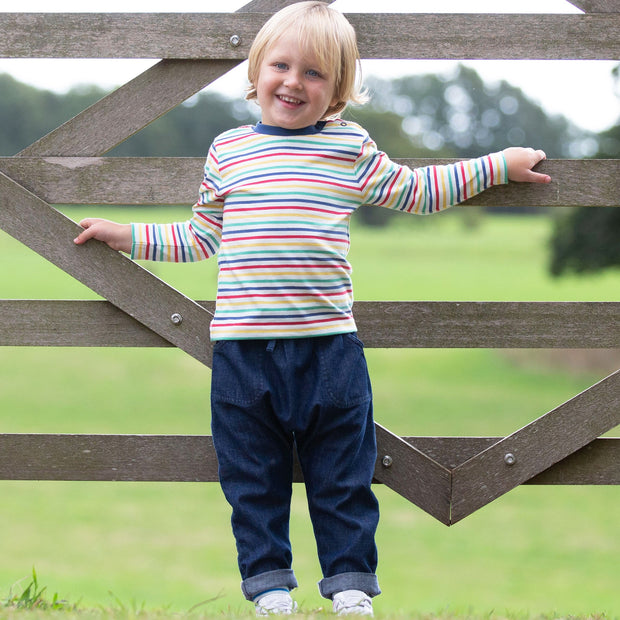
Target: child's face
(291,90)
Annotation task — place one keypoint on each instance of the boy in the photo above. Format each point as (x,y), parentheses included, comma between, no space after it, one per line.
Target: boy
(288,370)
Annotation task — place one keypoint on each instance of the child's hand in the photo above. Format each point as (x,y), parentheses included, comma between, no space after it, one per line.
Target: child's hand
(520,162)
(117,236)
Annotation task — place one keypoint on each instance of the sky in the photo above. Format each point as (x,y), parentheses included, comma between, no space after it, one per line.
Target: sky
(583,91)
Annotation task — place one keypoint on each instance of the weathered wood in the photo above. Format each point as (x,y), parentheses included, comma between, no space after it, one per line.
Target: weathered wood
(597,6)
(489,324)
(536,447)
(107,457)
(595,464)
(123,282)
(191,458)
(415,324)
(207,36)
(132,107)
(413,474)
(175,180)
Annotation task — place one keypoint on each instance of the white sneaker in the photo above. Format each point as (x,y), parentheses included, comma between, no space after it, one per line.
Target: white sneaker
(275,602)
(352,602)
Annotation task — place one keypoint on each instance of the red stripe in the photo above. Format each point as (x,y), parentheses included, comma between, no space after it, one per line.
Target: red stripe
(436,189)
(372,172)
(281,208)
(275,268)
(272,295)
(491,170)
(176,245)
(388,195)
(278,154)
(463,182)
(281,181)
(272,323)
(337,237)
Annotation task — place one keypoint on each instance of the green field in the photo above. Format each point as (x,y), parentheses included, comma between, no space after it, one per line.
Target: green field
(535,551)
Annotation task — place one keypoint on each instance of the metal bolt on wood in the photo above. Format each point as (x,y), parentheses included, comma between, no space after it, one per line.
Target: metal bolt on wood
(235,40)
(510,459)
(176,318)
(387,461)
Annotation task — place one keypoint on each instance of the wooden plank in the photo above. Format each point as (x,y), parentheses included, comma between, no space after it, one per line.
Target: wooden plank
(114,276)
(191,458)
(489,324)
(207,35)
(74,324)
(415,324)
(107,457)
(598,463)
(536,447)
(597,6)
(132,107)
(175,181)
(413,474)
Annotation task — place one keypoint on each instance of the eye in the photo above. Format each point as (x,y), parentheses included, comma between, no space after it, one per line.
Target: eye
(280,66)
(313,73)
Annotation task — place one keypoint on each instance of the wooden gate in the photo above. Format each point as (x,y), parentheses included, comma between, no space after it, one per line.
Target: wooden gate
(447,477)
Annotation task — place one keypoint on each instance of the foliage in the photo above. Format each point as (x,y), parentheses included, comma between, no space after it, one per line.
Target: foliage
(586,239)
(32,598)
(462,116)
(170,543)
(27,113)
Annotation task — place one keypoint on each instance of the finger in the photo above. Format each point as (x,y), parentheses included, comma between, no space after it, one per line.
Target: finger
(88,222)
(538,177)
(87,233)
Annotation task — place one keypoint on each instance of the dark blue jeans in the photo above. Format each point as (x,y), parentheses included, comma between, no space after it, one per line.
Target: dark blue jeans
(270,397)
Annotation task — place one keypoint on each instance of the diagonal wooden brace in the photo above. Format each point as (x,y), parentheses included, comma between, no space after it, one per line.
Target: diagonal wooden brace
(124,283)
(413,474)
(536,447)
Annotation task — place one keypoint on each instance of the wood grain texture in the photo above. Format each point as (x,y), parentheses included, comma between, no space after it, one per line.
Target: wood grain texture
(191,458)
(130,108)
(415,324)
(597,6)
(127,110)
(207,35)
(536,447)
(413,474)
(175,180)
(123,282)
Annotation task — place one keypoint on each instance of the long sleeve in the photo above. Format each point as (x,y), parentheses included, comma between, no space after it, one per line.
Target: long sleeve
(426,190)
(196,239)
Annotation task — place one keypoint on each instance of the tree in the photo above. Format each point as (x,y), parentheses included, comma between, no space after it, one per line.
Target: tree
(588,239)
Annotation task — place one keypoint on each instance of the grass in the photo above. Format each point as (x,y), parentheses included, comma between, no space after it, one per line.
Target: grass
(130,549)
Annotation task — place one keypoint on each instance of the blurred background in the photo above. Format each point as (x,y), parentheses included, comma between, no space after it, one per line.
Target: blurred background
(537,550)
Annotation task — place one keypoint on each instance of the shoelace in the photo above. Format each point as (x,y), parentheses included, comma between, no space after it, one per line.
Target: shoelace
(353,602)
(275,603)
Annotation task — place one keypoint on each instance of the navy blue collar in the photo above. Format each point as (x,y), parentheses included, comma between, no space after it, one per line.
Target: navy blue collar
(272,130)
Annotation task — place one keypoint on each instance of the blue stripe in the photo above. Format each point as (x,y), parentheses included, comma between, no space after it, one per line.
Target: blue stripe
(456,182)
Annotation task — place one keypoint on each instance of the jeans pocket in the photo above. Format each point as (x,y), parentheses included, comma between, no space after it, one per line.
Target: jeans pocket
(345,372)
(237,375)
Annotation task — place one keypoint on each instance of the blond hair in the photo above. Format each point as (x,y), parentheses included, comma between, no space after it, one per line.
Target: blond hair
(328,35)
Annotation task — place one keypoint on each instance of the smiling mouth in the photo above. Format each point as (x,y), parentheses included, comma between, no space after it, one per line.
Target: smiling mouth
(289,100)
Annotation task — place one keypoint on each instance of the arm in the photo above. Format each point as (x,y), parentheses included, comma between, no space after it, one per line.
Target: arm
(195,239)
(435,188)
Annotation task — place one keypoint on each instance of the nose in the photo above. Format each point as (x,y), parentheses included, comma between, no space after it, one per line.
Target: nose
(293,80)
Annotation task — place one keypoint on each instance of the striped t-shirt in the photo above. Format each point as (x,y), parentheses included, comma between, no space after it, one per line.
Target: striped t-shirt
(275,206)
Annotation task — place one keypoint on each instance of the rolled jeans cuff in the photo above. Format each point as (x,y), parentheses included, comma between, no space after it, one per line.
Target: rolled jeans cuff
(281,578)
(366,582)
